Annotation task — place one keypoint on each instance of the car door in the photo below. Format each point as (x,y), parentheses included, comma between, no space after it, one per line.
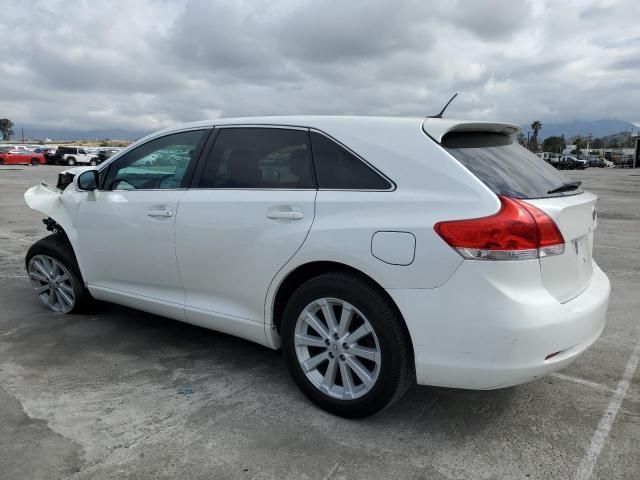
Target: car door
(249,210)
(126,229)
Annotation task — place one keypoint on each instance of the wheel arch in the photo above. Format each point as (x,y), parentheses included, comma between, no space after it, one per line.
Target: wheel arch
(309,270)
(60,218)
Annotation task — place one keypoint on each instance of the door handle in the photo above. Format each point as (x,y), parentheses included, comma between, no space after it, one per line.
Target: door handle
(160,213)
(285,215)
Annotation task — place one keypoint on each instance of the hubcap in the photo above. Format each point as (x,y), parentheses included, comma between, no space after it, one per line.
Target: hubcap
(337,348)
(52,283)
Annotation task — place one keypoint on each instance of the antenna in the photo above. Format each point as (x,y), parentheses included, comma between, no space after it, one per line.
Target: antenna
(444,108)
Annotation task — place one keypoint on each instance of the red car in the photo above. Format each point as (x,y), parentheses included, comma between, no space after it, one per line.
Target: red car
(9,156)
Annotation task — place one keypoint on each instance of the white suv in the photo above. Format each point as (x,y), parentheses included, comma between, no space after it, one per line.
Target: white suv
(374,251)
(76,155)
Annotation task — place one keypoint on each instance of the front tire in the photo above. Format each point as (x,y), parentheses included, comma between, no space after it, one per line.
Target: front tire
(35,162)
(55,276)
(71,161)
(346,346)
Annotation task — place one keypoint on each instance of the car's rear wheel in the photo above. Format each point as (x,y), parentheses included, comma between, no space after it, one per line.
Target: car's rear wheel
(71,161)
(346,346)
(34,161)
(55,276)
(1,161)
(93,163)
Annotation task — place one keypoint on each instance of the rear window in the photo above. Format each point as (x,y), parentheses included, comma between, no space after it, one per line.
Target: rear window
(504,166)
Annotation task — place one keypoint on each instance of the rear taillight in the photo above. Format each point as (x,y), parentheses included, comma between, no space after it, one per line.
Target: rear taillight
(519,231)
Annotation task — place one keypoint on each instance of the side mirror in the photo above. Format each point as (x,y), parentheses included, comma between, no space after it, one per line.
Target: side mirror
(88,181)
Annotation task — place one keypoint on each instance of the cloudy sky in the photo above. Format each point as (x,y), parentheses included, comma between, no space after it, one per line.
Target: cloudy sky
(143,65)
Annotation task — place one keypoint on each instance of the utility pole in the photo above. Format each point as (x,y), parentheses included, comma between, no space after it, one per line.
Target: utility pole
(22,130)
(588,142)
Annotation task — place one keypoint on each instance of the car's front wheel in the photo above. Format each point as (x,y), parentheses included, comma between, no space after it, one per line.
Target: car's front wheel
(54,274)
(34,161)
(346,346)
(71,161)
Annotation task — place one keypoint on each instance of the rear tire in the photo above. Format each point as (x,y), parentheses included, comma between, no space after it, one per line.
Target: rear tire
(35,162)
(71,161)
(359,374)
(55,275)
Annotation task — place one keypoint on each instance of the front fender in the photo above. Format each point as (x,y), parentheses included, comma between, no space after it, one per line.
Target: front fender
(60,206)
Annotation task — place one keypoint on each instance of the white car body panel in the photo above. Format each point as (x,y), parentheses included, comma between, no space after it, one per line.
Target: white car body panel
(223,268)
(218,260)
(123,248)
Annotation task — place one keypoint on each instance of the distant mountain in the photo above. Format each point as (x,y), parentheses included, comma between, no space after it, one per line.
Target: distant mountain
(60,134)
(597,128)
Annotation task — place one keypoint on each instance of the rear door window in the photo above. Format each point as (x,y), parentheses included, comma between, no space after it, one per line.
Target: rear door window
(263,158)
(504,166)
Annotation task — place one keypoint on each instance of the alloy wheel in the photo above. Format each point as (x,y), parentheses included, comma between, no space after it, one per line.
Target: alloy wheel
(337,348)
(52,282)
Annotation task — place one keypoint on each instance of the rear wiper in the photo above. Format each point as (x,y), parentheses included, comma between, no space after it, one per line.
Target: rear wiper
(566,187)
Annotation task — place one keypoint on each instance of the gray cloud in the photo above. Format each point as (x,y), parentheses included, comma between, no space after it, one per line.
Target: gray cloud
(149,64)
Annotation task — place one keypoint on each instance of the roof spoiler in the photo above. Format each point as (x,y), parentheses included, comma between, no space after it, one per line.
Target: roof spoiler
(437,128)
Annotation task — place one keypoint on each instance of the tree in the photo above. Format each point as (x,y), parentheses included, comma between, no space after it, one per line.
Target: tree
(553,144)
(629,142)
(522,140)
(6,128)
(579,143)
(597,143)
(536,126)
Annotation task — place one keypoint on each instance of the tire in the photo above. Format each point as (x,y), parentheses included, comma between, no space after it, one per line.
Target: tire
(35,162)
(1,161)
(47,251)
(93,163)
(71,161)
(394,370)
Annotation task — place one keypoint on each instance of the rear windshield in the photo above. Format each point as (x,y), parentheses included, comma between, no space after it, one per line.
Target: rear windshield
(504,166)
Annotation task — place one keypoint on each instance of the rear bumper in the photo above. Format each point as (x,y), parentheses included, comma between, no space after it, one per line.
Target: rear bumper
(493,325)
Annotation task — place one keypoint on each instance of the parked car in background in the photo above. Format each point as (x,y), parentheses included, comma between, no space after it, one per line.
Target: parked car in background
(627,161)
(551,158)
(12,156)
(75,156)
(50,155)
(595,162)
(569,162)
(376,252)
(102,155)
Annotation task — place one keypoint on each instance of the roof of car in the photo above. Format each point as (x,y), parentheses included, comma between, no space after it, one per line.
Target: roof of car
(435,127)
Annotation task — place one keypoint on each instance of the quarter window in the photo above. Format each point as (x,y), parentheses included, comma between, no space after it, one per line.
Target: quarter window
(259,158)
(158,164)
(337,168)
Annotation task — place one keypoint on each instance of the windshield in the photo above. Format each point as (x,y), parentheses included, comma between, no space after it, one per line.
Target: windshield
(504,166)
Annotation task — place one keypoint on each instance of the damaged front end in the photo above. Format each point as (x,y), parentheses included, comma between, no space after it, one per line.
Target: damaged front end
(59,203)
